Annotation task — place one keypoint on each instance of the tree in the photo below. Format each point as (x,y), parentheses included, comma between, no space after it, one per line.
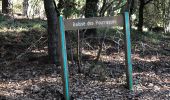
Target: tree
(6,6)
(91,8)
(166,15)
(52,30)
(132,7)
(91,11)
(141,11)
(25,7)
(67,7)
(110,6)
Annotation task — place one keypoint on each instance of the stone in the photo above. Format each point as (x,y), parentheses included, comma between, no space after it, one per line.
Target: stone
(150,85)
(19,91)
(156,88)
(35,88)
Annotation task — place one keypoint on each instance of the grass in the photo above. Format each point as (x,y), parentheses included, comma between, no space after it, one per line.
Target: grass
(23,31)
(110,31)
(9,26)
(151,37)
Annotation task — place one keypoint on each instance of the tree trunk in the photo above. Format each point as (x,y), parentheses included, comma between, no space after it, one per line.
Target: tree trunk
(25,7)
(91,8)
(167,29)
(167,16)
(52,30)
(141,11)
(5,6)
(132,7)
(141,8)
(91,11)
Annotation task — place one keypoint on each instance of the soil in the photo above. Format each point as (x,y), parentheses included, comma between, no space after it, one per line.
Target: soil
(25,74)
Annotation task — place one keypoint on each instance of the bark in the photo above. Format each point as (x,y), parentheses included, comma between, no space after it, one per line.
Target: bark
(91,11)
(52,30)
(60,4)
(167,29)
(25,7)
(91,8)
(141,11)
(6,6)
(103,7)
(141,8)
(167,16)
(132,7)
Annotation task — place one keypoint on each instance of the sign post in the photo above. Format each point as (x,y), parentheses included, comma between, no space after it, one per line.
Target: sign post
(87,23)
(63,58)
(128,61)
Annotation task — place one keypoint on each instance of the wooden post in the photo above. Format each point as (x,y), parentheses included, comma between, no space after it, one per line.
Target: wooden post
(78,52)
(63,58)
(128,62)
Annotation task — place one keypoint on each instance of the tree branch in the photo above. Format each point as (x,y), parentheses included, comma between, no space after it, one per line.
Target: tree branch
(147,2)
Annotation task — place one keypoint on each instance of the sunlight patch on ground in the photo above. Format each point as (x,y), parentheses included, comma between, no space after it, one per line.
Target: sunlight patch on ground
(90,52)
(146,59)
(118,57)
(39,51)
(108,58)
(11,30)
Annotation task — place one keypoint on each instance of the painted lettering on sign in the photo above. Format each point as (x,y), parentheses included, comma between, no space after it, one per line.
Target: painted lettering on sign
(105,22)
(78,24)
(90,23)
(97,22)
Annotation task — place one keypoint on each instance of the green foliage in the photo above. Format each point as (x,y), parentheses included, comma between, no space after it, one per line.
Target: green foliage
(72,8)
(2,18)
(151,37)
(38,27)
(156,13)
(17,6)
(70,11)
(23,25)
(116,32)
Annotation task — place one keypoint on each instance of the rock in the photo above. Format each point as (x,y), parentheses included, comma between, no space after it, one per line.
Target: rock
(35,88)
(139,88)
(156,88)
(83,93)
(19,91)
(95,93)
(150,85)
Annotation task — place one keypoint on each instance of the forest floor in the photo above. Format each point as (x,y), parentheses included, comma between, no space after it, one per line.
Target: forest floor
(26,75)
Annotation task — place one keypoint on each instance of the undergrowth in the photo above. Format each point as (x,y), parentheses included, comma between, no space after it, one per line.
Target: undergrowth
(19,25)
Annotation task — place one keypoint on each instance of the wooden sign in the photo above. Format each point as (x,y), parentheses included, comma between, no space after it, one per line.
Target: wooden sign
(87,23)
(95,22)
